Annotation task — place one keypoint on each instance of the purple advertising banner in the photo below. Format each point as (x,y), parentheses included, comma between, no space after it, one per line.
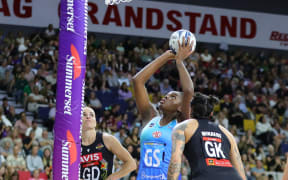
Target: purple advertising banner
(70,89)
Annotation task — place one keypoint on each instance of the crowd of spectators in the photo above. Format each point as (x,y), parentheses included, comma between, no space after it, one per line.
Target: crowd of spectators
(252,88)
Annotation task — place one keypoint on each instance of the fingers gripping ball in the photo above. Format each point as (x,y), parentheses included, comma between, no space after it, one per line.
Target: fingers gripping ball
(178,35)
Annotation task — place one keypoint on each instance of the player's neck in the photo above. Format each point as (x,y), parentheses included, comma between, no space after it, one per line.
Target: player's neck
(166,119)
(88,136)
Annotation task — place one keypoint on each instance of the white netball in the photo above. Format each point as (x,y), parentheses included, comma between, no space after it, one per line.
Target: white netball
(178,35)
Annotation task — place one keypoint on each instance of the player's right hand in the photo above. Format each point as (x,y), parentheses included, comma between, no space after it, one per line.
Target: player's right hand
(185,49)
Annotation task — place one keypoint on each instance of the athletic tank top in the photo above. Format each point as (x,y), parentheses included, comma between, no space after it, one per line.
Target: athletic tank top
(208,153)
(156,147)
(96,160)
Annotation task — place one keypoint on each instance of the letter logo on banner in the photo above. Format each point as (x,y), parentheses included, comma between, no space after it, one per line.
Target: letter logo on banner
(281,37)
(151,19)
(73,67)
(20,10)
(70,15)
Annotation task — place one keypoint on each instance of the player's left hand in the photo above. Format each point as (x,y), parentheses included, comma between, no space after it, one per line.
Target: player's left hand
(170,54)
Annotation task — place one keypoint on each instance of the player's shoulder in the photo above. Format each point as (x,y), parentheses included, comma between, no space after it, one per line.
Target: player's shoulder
(191,122)
(188,127)
(228,134)
(110,141)
(187,123)
(107,136)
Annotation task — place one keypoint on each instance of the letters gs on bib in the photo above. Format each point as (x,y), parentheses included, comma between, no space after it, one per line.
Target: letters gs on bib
(178,35)
(152,158)
(153,154)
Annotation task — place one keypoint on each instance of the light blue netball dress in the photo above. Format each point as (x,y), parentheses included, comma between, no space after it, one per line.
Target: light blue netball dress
(156,147)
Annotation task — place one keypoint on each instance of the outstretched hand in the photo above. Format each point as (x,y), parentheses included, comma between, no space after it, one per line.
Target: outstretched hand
(170,55)
(185,49)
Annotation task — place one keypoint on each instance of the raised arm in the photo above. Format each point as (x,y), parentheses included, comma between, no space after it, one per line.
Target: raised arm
(121,153)
(235,155)
(184,51)
(144,106)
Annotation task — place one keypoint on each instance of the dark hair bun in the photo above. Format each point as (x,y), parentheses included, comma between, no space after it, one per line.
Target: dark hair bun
(213,100)
(203,105)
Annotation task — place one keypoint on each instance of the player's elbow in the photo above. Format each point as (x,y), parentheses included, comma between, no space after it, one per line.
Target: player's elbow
(135,79)
(189,91)
(134,165)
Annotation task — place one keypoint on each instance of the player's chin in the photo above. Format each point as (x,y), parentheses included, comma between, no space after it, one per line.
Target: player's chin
(163,107)
(88,127)
(160,106)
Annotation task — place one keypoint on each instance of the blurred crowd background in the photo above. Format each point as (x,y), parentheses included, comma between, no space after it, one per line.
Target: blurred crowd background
(252,87)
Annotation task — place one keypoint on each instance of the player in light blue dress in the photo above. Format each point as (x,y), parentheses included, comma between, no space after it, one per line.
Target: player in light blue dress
(155,139)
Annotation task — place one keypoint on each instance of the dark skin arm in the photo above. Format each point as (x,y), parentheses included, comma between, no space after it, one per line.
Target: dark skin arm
(185,79)
(144,106)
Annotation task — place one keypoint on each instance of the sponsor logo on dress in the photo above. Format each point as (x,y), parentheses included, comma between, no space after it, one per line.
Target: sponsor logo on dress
(99,146)
(156,134)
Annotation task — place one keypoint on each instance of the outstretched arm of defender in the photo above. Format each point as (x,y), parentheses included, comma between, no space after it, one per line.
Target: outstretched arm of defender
(237,162)
(178,144)
(235,155)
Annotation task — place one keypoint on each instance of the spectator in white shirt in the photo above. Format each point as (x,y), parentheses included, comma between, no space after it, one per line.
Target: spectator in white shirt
(4,119)
(50,32)
(52,78)
(38,130)
(34,161)
(35,99)
(206,56)
(264,130)
(222,120)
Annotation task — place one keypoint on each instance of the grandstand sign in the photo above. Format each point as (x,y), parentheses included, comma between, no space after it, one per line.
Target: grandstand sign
(159,19)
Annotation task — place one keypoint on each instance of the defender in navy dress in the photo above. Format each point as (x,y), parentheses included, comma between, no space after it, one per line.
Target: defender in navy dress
(211,150)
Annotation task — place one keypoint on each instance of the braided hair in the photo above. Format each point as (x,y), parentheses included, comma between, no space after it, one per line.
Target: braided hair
(203,105)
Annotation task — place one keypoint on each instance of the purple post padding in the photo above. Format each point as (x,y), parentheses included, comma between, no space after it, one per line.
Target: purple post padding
(70,89)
